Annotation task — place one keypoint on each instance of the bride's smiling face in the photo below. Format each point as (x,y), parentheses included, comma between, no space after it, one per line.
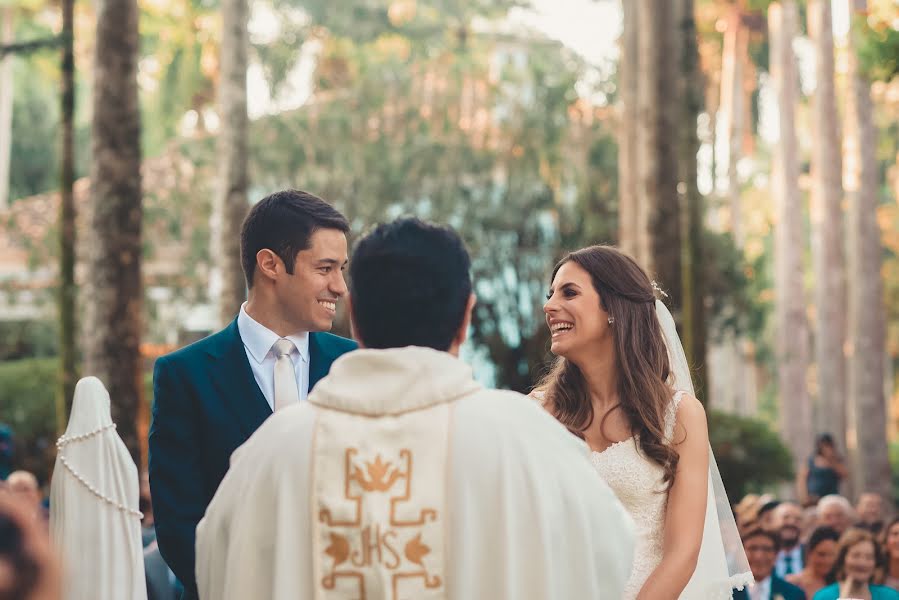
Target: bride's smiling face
(574,313)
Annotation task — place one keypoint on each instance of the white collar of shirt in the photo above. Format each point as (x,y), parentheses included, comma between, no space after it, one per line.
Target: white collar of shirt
(259,339)
(761,590)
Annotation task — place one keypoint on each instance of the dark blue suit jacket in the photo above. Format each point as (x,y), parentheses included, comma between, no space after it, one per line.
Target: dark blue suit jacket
(206,404)
(778,586)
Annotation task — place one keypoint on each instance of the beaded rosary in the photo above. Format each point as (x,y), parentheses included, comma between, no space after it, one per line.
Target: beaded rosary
(63,441)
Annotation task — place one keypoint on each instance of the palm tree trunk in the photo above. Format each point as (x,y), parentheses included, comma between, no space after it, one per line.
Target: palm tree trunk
(627,130)
(67,289)
(647,127)
(231,202)
(792,326)
(7,32)
(666,217)
(114,300)
(693,324)
(827,231)
(866,309)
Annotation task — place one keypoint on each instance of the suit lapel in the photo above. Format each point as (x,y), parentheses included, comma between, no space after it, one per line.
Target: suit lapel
(234,380)
(319,359)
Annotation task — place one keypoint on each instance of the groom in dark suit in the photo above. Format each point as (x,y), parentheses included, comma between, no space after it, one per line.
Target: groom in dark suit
(212,395)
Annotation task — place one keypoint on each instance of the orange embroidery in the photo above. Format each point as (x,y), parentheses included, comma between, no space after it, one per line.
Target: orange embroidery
(375,544)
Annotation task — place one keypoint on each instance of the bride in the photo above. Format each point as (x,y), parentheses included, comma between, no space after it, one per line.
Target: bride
(621,383)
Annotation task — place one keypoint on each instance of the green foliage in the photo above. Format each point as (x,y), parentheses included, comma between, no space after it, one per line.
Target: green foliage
(27,405)
(750,455)
(27,339)
(878,50)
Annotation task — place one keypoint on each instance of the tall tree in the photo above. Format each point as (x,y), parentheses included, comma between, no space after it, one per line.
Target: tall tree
(67,289)
(866,308)
(658,90)
(792,324)
(694,323)
(827,230)
(733,111)
(628,196)
(231,202)
(647,125)
(112,329)
(7,31)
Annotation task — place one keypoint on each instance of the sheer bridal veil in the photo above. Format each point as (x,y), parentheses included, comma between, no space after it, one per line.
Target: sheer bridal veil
(722,563)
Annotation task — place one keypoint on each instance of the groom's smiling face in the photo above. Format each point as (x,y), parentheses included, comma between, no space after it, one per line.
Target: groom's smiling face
(309,296)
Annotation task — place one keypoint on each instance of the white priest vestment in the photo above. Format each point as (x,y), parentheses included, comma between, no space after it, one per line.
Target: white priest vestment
(402,478)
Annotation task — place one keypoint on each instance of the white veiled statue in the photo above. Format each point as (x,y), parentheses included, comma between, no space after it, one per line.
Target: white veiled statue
(94,521)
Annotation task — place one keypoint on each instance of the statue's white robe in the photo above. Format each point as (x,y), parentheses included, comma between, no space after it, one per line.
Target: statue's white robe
(402,478)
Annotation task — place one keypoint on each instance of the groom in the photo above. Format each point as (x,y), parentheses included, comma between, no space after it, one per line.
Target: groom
(212,395)
(404,478)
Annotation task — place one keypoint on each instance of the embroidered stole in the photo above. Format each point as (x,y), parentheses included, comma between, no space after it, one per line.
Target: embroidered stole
(379,520)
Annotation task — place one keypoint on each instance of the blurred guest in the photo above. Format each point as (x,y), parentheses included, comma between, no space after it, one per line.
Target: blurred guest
(857,558)
(24,487)
(870,512)
(766,518)
(6,451)
(891,552)
(28,569)
(809,522)
(835,511)
(145,505)
(786,523)
(161,581)
(822,474)
(761,550)
(820,556)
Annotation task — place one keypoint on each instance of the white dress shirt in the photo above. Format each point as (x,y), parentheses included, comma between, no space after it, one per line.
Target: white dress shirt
(761,590)
(258,341)
(780,567)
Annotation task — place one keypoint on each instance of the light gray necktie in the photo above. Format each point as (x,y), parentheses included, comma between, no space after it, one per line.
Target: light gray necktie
(286,392)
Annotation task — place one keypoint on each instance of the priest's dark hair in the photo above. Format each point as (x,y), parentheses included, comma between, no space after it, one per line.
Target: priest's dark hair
(409,284)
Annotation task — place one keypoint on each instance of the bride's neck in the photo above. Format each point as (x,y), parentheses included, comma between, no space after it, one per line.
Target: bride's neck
(601,378)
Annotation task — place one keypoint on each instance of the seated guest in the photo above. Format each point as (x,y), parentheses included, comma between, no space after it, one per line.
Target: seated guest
(28,568)
(786,524)
(835,511)
(761,550)
(870,512)
(821,554)
(858,557)
(890,544)
(25,488)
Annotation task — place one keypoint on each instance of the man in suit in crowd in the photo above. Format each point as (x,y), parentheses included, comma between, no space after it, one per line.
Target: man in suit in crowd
(787,525)
(761,549)
(212,395)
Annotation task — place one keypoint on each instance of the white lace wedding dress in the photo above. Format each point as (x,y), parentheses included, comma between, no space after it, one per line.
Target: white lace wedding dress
(637,482)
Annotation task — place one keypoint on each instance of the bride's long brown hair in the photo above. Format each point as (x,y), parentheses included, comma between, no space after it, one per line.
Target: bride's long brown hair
(641,357)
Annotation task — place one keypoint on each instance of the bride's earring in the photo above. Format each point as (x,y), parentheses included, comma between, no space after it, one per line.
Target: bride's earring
(611,320)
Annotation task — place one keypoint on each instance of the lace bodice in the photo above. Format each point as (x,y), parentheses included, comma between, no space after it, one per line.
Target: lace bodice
(637,482)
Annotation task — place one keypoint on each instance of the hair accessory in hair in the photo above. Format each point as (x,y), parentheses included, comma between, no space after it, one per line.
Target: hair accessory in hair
(658,289)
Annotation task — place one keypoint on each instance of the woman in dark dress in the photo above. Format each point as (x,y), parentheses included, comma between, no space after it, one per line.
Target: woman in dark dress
(822,474)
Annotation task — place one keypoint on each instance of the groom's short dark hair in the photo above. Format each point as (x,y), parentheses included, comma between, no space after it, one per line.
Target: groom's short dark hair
(284,223)
(409,284)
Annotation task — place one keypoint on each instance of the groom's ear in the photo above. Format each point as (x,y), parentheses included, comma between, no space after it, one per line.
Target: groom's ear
(267,263)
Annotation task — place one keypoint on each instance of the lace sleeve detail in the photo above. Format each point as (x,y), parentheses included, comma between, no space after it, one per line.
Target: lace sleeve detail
(671,414)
